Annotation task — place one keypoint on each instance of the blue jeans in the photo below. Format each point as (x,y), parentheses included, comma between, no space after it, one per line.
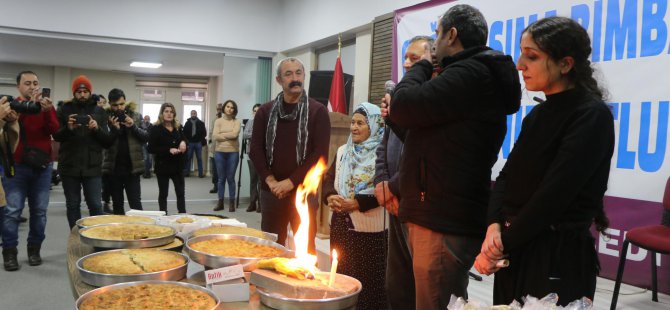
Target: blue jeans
(92,193)
(197,148)
(28,183)
(226,164)
(147,159)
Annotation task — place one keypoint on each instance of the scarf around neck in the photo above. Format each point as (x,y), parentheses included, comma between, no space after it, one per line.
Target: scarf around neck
(301,113)
(357,164)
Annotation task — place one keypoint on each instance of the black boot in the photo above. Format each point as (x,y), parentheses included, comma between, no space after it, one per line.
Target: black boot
(231,206)
(9,257)
(107,208)
(219,205)
(214,190)
(34,258)
(252,207)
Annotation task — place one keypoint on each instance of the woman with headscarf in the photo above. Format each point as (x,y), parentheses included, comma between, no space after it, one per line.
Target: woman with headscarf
(358,223)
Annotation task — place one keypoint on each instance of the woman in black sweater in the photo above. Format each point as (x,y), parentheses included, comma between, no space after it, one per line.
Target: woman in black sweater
(168,145)
(551,189)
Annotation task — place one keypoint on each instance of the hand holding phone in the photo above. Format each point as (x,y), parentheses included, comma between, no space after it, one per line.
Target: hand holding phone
(46,92)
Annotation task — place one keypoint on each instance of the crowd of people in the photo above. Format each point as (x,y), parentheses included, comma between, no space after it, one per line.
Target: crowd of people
(413,206)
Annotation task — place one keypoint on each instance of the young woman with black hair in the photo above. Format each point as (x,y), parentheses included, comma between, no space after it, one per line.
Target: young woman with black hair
(551,188)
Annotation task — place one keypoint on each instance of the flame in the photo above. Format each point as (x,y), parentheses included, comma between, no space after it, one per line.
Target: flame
(309,186)
(334,255)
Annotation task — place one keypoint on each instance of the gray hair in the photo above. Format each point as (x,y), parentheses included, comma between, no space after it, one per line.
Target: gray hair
(291,59)
(427,39)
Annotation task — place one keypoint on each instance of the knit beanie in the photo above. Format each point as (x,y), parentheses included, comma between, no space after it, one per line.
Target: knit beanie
(81,82)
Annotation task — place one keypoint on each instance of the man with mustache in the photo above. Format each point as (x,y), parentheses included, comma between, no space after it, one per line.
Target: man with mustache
(290,134)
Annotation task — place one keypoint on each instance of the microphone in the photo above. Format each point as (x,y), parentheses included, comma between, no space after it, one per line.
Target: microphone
(538,99)
(389,87)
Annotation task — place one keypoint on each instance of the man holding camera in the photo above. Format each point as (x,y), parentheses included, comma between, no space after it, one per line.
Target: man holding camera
(123,162)
(83,135)
(31,170)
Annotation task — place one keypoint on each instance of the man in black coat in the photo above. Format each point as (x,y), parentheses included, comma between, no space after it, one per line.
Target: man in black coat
(453,126)
(82,135)
(195,132)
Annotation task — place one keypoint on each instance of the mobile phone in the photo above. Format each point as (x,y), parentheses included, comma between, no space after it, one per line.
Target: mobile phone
(46,92)
(81,119)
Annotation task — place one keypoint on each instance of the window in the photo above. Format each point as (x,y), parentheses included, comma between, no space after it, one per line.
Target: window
(151,101)
(193,100)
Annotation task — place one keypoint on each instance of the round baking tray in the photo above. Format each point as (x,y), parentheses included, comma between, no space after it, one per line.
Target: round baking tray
(98,291)
(103,279)
(280,302)
(169,246)
(266,235)
(81,220)
(127,244)
(215,261)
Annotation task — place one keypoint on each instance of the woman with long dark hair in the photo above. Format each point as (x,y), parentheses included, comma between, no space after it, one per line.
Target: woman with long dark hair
(168,145)
(551,188)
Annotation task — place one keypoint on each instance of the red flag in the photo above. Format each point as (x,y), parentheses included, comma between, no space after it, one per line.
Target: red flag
(336,101)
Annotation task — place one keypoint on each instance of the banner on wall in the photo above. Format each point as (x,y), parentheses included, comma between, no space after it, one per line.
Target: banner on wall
(631,53)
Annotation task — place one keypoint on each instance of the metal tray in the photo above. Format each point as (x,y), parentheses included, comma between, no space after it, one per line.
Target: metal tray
(285,303)
(215,261)
(81,220)
(127,244)
(267,235)
(98,291)
(103,279)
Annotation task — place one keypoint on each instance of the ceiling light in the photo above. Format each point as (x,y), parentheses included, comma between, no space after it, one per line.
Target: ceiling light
(141,64)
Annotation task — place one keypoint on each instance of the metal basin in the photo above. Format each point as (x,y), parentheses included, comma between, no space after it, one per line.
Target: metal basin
(277,301)
(215,261)
(127,244)
(103,279)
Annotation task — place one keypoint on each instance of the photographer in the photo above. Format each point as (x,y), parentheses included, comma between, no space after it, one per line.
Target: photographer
(32,168)
(10,131)
(123,162)
(83,135)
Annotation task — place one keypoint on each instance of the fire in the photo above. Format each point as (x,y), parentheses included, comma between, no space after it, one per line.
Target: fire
(309,186)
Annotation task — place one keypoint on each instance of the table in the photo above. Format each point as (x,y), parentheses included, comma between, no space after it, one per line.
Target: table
(76,250)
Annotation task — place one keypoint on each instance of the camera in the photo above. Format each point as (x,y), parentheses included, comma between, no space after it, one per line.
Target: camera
(81,119)
(120,116)
(28,107)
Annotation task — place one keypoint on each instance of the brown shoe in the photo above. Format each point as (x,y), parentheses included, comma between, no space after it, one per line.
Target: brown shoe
(219,205)
(231,206)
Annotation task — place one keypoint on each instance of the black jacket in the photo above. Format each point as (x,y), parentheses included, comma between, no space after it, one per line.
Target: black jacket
(200,132)
(135,137)
(80,153)
(453,126)
(161,141)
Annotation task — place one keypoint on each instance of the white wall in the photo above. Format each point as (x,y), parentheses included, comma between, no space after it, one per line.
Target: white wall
(239,85)
(326,60)
(362,73)
(218,23)
(313,20)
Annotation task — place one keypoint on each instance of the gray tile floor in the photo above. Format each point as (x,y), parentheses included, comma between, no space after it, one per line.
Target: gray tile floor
(47,286)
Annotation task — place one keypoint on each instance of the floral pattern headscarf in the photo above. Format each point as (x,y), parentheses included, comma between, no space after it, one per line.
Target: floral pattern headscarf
(357,164)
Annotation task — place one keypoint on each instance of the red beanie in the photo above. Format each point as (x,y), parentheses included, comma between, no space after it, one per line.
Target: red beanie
(81,82)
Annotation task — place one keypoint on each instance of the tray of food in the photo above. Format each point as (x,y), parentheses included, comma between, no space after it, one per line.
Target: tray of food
(127,236)
(129,265)
(176,245)
(234,230)
(149,295)
(216,251)
(112,219)
(281,292)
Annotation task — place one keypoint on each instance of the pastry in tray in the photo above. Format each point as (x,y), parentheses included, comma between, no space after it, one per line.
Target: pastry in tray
(127,232)
(110,219)
(150,296)
(231,230)
(134,261)
(177,243)
(235,248)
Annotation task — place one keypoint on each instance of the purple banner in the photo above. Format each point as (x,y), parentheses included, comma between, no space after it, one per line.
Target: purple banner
(625,214)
